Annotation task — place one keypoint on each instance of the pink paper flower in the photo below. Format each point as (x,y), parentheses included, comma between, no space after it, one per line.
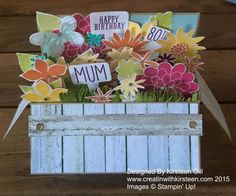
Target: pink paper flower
(83,27)
(83,23)
(168,76)
(72,50)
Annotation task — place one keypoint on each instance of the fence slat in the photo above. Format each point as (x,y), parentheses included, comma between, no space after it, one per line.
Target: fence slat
(137,146)
(73,146)
(94,146)
(115,145)
(46,151)
(179,146)
(158,145)
(195,142)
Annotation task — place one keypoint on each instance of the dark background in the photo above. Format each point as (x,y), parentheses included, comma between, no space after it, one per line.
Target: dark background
(17,22)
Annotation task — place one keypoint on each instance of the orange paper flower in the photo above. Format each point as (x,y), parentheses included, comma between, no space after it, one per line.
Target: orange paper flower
(43,71)
(135,42)
(144,60)
(99,97)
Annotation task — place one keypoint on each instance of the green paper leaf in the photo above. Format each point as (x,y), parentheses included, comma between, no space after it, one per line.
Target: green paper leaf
(128,68)
(163,20)
(57,83)
(24,61)
(26,89)
(194,98)
(47,22)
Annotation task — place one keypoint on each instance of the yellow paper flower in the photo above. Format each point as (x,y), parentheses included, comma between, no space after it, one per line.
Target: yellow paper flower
(42,92)
(182,44)
(129,86)
(61,61)
(86,57)
(123,53)
(134,28)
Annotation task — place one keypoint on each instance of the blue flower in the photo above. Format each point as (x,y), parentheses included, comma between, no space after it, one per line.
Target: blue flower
(94,39)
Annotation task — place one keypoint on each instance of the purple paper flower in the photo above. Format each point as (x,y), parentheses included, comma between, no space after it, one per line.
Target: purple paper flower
(166,58)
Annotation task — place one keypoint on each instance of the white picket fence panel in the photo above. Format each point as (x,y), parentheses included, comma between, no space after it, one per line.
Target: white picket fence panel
(65,153)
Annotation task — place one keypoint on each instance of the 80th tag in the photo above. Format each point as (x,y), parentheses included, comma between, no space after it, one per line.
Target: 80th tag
(153,35)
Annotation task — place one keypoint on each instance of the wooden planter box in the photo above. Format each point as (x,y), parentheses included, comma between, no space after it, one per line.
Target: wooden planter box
(109,138)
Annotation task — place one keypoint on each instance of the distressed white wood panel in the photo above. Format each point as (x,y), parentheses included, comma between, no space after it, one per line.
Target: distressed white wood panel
(46,151)
(195,142)
(115,145)
(179,146)
(94,146)
(158,145)
(116,124)
(73,146)
(137,146)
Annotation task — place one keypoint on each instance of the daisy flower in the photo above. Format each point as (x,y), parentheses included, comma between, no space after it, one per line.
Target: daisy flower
(129,86)
(118,42)
(182,44)
(99,97)
(193,64)
(166,58)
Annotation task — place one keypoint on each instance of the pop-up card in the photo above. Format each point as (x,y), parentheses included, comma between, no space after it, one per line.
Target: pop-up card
(113,91)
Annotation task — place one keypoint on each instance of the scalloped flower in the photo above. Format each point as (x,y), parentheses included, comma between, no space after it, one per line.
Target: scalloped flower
(180,45)
(167,76)
(42,92)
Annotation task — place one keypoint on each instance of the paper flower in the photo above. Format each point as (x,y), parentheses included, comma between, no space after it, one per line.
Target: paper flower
(180,45)
(99,97)
(86,58)
(123,53)
(83,24)
(129,86)
(60,61)
(168,76)
(33,59)
(128,68)
(165,58)
(94,39)
(71,50)
(43,71)
(144,60)
(134,28)
(162,20)
(83,27)
(193,64)
(42,92)
(53,43)
(118,42)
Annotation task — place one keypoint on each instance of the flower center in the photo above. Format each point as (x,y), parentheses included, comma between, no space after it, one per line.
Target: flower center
(131,84)
(46,98)
(178,49)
